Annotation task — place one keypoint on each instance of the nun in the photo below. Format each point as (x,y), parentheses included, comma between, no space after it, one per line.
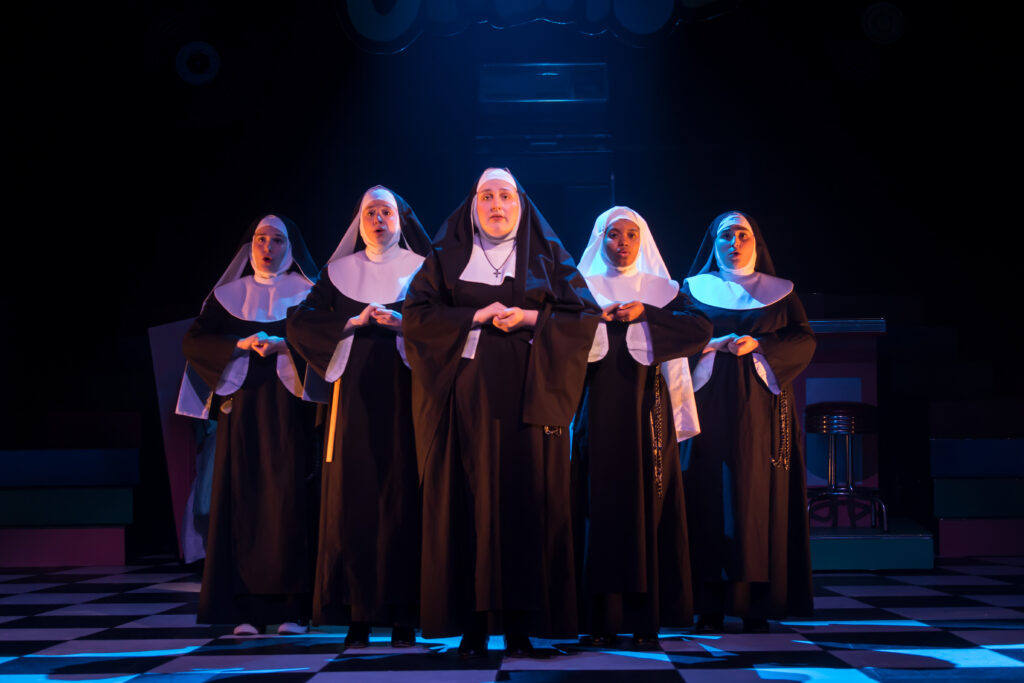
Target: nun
(498,324)
(349,330)
(242,372)
(630,514)
(744,474)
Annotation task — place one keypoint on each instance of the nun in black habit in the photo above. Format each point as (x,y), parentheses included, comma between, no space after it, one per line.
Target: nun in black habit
(242,372)
(349,329)
(744,473)
(630,513)
(498,323)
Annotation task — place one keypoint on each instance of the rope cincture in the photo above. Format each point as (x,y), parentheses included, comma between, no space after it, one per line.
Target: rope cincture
(657,432)
(781,459)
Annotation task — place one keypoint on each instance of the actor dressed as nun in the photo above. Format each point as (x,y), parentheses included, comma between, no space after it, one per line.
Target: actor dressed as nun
(630,514)
(349,329)
(241,372)
(498,323)
(744,473)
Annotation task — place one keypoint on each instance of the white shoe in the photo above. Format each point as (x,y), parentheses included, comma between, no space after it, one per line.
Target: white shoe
(290,628)
(246,630)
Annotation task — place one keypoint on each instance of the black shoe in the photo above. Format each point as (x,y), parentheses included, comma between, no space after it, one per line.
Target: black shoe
(601,640)
(518,646)
(473,646)
(645,641)
(755,625)
(403,636)
(710,623)
(358,635)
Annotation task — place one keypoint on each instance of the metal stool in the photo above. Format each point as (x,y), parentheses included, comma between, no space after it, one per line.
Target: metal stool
(843,419)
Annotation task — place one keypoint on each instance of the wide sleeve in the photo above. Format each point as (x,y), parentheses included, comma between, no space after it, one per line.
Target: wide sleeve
(677,330)
(208,348)
(317,325)
(562,341)
(789,349)
(435,331)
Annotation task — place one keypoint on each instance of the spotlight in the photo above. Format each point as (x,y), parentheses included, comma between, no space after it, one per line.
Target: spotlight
(197,63)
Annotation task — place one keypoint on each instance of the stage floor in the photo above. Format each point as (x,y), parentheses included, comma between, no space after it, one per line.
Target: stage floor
(962,621)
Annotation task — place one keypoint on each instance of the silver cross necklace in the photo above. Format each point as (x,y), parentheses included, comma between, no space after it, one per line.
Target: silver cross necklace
(498,270)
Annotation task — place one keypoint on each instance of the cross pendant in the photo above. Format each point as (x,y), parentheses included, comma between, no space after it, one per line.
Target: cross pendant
(497,274)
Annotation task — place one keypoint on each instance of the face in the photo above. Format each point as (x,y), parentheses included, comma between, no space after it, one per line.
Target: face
(379,221)
(269,246)
(622,242)
(735,246)
(497,208)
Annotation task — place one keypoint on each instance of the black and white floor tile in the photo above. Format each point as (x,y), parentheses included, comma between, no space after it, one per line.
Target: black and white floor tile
(963,621)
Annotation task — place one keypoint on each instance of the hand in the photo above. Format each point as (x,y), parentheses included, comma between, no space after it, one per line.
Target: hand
(249,343)
(720,343)
(365,317)
(487,313)
(741,346)
(246,342)
(513,318)
(268,345)
(629,312)
(385,317)
(608,312)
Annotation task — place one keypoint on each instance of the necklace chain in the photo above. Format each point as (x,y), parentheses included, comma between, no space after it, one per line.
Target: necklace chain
(498,270)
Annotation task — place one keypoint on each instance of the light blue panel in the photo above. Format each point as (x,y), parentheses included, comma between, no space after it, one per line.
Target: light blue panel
(821,389)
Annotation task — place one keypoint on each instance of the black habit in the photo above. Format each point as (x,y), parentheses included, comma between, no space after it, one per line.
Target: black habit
(744,473)
(369,541)
(630,514)
(261,543)
(492,433)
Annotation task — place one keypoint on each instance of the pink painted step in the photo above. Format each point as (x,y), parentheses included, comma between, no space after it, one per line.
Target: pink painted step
(57,547)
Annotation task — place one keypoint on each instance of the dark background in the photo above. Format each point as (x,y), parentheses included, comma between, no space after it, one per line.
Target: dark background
(878,170)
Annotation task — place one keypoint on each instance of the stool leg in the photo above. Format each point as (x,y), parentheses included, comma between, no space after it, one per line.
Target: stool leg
(831,462)
(849,462)
(851,502)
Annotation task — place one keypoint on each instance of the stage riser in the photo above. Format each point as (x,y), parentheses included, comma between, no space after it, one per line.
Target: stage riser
(103,546)
(981,537)
(66,506)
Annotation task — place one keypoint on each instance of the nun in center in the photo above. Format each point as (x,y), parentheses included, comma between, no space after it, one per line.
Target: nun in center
(498,324)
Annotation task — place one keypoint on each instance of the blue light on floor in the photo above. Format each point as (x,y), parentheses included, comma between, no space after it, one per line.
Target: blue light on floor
(131,653)
(961,658)
(812,674)
(910,623)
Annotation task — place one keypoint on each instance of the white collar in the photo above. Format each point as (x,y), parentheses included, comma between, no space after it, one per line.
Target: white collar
(487,257)
(645,287)
(248,298)
(363,278)
(738,292)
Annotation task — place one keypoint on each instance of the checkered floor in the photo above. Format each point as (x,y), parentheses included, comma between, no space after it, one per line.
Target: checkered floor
(964,621)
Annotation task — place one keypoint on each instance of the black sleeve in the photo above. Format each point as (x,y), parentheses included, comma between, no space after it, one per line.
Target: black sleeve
(317,324)
(207,347)
(435,333)
(789,349)
(561,344)
(677,330)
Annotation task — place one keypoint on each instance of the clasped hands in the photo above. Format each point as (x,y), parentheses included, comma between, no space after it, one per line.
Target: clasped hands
(624,313)
(505,318)
(377,315)
(733,343)
(262,343)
